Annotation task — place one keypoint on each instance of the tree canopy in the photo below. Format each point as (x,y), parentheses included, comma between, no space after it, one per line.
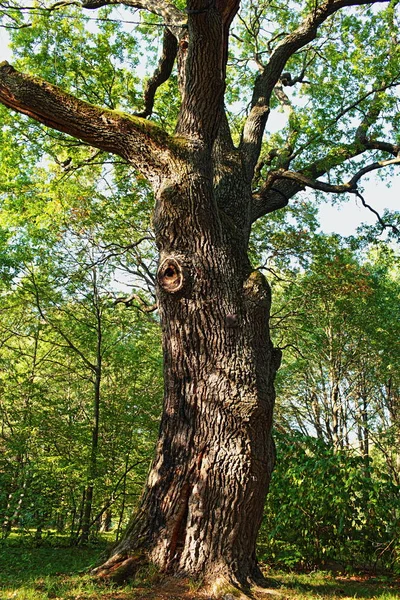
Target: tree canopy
(333,71)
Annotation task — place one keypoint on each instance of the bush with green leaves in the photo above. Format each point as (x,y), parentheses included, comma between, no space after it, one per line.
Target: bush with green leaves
(327,505)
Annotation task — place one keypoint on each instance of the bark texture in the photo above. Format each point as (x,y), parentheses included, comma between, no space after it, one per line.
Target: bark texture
(204,498)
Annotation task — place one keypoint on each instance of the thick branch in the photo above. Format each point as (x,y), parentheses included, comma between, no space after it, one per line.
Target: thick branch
(204,82)
(172,16)
(140,142)
(273,198)
(282,184)
(265,83)
(350,186)
(323,165)
(161,74)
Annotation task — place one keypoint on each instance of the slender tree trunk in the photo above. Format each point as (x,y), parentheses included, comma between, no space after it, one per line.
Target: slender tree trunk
(87,512)
(316,412)
(92,467)
(14,488)
(105,520)
(365,424)
(80,518)
(122,510)
(335,403)
(72,526)
(205,494)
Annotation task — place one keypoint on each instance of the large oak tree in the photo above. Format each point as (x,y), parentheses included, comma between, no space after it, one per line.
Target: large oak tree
(203,501)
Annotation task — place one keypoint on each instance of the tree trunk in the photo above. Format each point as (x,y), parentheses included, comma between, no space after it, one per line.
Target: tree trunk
(92,467)
(94,448)
(204,498)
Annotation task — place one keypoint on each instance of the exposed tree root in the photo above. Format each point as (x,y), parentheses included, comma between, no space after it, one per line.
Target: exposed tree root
(222,588)
(120,567)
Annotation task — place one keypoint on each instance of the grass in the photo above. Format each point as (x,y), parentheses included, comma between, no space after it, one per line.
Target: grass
(61,573)
(28,573)
(324,585)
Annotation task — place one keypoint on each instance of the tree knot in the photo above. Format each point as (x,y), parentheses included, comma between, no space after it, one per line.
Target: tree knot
(171,275)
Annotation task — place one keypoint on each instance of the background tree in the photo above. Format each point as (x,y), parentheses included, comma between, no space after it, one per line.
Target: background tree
(338,362)
(210,185)
(335,441)
(66,339)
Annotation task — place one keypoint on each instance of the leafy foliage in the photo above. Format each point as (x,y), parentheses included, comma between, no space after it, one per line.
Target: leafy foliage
(328,507)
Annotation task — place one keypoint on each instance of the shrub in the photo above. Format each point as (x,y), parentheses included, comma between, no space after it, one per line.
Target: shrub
(327,505)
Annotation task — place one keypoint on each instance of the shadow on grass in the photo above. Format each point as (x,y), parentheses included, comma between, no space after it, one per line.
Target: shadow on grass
(43,573)
(62,573)
(19,565)
(325,585)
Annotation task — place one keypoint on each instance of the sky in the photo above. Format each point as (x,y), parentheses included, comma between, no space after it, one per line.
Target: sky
(4,50)
(342,217)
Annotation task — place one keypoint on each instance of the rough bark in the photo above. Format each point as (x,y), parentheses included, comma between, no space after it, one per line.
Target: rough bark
(204,498)
(92,466)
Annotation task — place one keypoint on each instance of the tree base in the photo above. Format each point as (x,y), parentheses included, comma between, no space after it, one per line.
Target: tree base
(121,568)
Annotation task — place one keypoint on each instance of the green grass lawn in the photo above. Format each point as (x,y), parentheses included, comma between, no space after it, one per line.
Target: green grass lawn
(49,572)
(322,584)
(60,573)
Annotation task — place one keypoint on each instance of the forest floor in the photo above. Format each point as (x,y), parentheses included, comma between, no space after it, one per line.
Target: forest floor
(44,573)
